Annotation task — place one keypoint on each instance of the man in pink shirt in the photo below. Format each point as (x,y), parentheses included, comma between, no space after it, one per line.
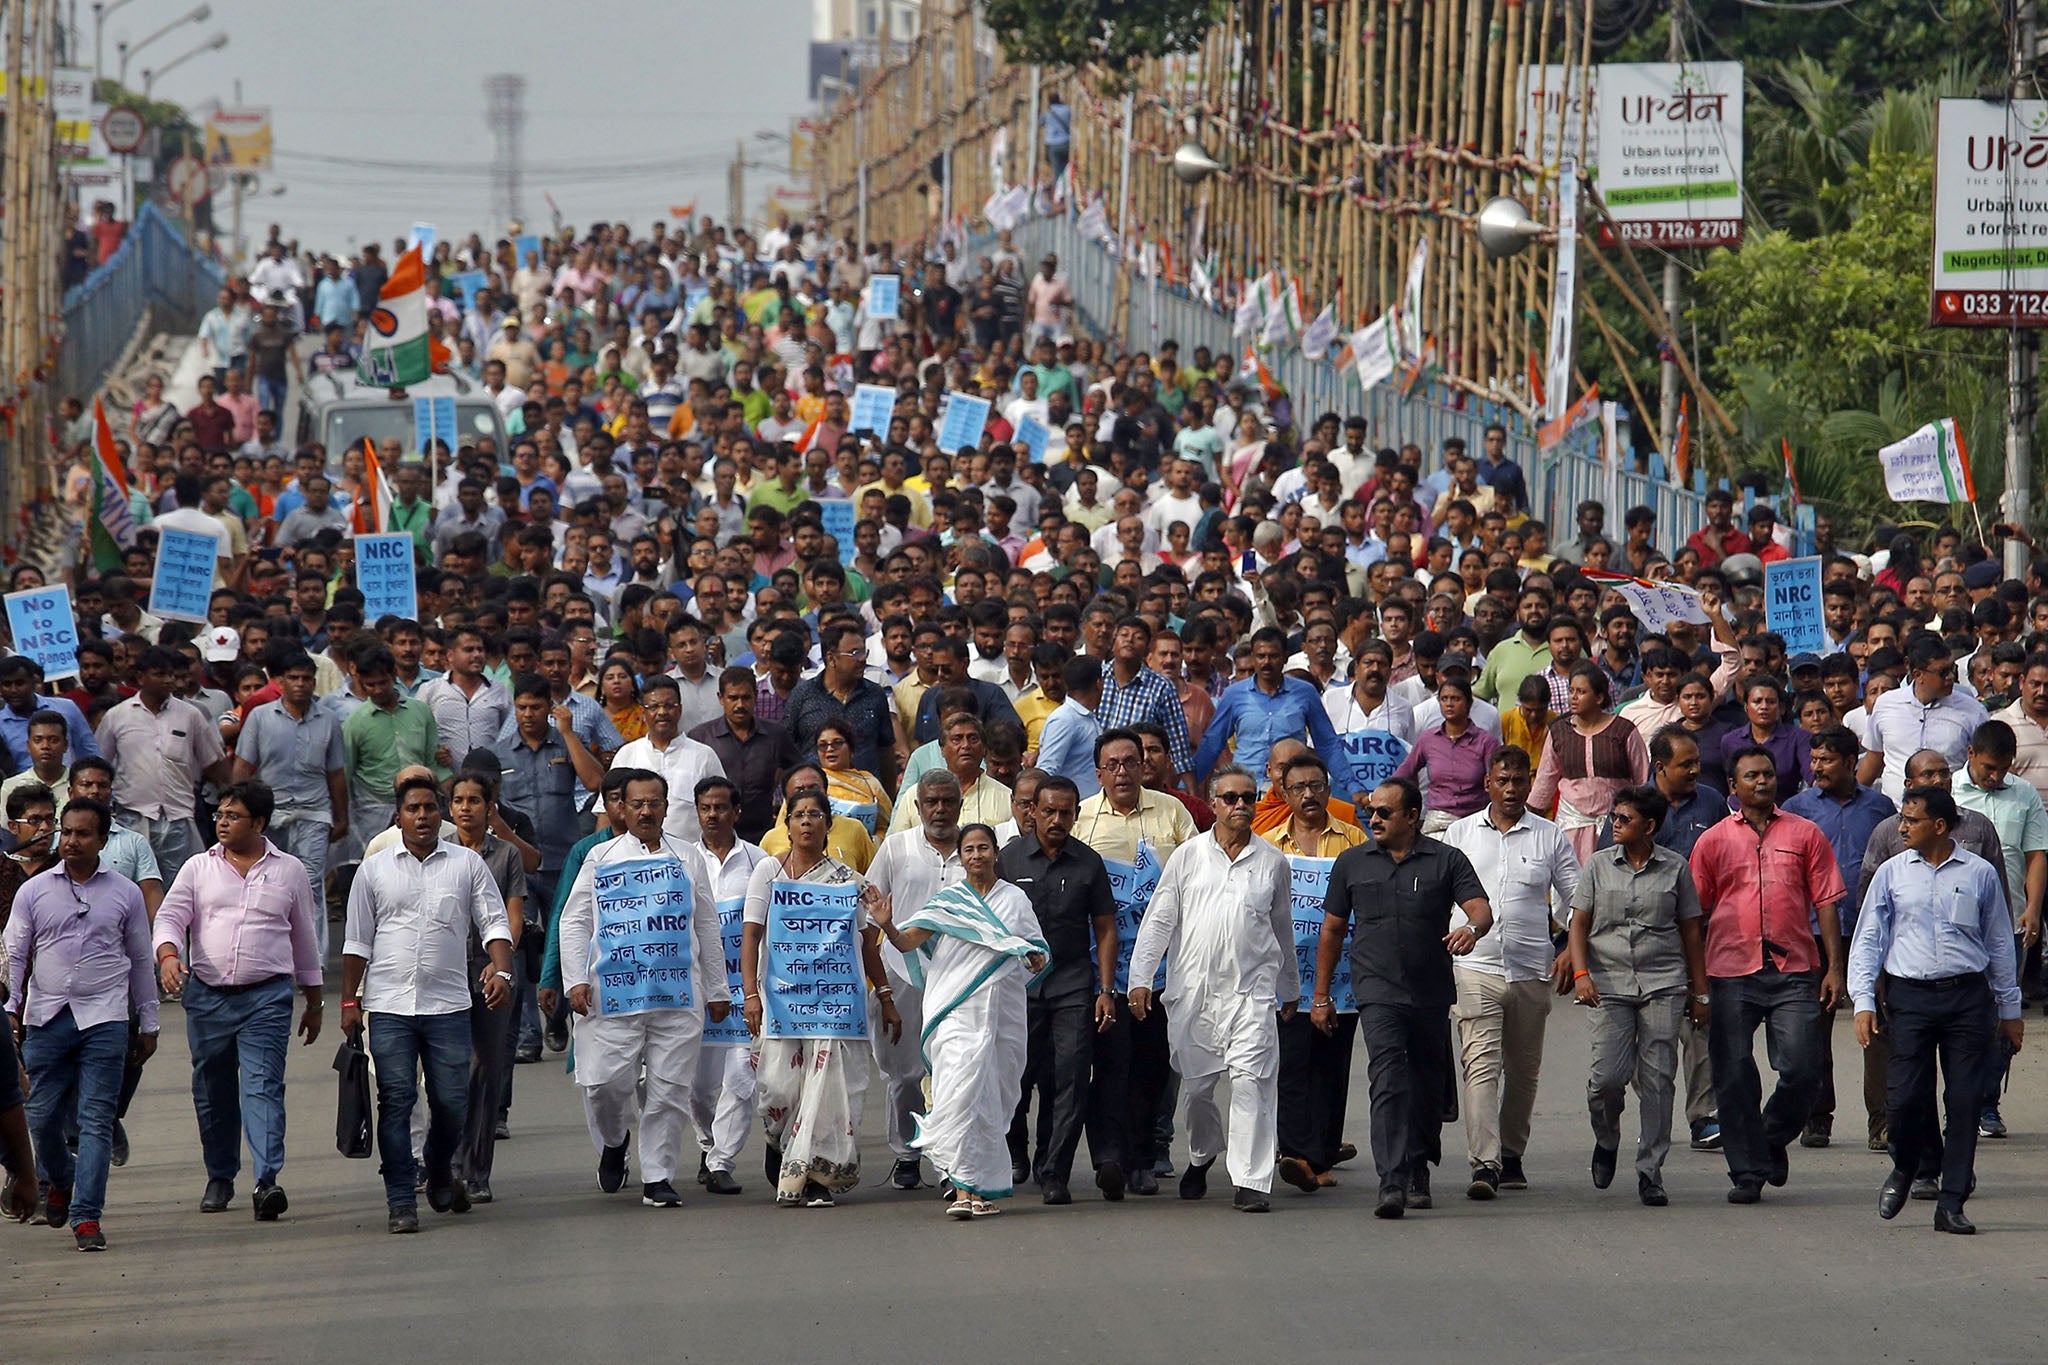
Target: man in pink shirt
(243,914)
(1047,300)
(1758,871)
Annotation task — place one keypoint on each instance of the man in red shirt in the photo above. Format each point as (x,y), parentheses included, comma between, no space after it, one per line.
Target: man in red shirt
(106,233)
(213,426)
(1757,872)
(1720,537)
(1762,543)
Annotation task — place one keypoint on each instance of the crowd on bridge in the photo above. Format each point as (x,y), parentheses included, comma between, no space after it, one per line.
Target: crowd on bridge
(1077,769)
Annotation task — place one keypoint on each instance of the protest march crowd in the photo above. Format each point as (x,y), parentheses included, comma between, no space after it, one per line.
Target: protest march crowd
(843,677)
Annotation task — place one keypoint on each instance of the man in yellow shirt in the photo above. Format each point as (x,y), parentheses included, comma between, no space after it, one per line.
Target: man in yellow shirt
(895,479)
(1044,696)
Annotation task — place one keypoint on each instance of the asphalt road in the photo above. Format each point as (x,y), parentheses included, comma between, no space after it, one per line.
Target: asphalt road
(554,1270)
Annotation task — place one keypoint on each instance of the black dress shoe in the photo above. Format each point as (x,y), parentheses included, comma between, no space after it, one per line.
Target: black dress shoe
(721,1182)
(1392,1204)
(1020,1170)
(1603,1166)
(1745,1191)
(703,1169)
(1194,1182)
(479,1187)
(1055,1191)
(118,1151)
(1109,1178)
(219,1194)
(1418,1189)
(1142,1182)
(452,1197)
(526,1056)
(1650,1192)
(1957,1222)
(1345,1152)
(1891,1196)
(270,1203)
(406,1219)
(1251,1201)
(1781,1167)
(1926,1187)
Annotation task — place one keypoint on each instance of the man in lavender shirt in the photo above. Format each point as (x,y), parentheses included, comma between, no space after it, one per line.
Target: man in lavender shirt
(78,963)
(249,913)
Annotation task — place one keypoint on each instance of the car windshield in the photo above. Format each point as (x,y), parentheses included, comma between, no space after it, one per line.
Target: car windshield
(348,426)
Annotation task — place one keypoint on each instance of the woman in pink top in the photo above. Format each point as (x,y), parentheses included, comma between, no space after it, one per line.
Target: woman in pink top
(1590,755)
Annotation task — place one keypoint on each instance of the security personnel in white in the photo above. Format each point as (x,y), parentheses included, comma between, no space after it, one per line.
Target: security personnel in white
(722,1101)
(611,1050)
(910,868)
(1222,918)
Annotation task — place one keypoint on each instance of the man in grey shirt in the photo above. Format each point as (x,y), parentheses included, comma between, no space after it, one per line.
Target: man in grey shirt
(295,747)
(313,515)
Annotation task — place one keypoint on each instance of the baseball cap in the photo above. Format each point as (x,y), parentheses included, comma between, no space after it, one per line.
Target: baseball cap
(1800,662)
(1984,573)
(223,644)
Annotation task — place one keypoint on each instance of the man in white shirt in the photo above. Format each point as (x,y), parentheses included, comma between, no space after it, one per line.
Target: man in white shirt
(665,749)
(910,868)
(1925,713)
(1223,920)
(469,709)
(1178,502)
(643,968)
(1028,403)
(405,967)
(1505,983)
(722,1100)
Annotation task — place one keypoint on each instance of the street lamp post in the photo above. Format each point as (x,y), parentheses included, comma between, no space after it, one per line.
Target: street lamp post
(99,27)
(199,14)
(213,44)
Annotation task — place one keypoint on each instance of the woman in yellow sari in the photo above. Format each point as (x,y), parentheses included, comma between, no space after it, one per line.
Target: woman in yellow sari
(853,792)
(618,690)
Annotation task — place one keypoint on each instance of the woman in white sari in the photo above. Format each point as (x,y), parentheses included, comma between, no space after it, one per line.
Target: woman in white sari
(971,947)
(809,1090)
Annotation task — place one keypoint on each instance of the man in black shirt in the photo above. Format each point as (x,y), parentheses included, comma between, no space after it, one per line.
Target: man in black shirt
(1069,889)
(1396,895)
(942,303)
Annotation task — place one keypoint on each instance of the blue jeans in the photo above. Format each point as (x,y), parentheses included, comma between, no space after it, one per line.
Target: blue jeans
(270,395)
(66,1064)
(305,838)
(238,1042)
(400,1044)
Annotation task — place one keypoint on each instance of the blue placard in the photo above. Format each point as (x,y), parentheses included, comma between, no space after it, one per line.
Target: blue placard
(1132,885)
(812,985)
(883,292)
(960,426)
(838,516)
(873,405)
(1792,604)
(184,575)
(433,418)
(385,576)
(1310,880)
(641,953)
(528,244)
(731,929)
(467,283)
(1033,436)
(1373,755)
(44,628)
(423,238)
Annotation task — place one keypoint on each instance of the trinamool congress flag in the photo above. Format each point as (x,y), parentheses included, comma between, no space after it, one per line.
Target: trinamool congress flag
(110,528)
(397,351)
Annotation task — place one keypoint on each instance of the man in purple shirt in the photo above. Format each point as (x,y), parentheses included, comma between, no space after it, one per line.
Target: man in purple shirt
(249,912)
(78,962)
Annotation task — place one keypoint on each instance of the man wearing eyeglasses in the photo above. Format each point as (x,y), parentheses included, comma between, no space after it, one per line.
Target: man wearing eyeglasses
(666,750)
(1396,895)
(1925,714)
(79,933)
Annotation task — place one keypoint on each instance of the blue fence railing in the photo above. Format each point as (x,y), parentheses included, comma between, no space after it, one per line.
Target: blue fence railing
(155,269)
(1558,482)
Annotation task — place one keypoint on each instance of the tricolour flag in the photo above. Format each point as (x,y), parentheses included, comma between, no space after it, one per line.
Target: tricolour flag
(1318,336)
(1681,443)
(372,510)
(1931,465)
(396,348)
(1791,475)
(111,526)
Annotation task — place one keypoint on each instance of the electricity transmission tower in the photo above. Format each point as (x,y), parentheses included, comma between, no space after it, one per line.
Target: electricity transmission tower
(505,112)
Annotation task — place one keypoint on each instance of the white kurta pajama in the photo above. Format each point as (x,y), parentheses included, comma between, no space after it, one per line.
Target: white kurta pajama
(973,976)
(722,1100)
(809,1090)
(909,871)
(612,1052)
(1226,930)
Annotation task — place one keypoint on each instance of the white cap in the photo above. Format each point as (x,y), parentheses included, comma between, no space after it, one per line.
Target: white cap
(223,645)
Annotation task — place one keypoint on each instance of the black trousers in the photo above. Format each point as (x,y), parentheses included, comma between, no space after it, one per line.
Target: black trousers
(1133,1065)
(492,1034)
(1315,1083)
(1408,1061)
(1057,1070)
(1956,1023)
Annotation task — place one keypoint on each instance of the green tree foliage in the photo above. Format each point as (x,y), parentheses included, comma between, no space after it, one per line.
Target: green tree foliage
(1115,34)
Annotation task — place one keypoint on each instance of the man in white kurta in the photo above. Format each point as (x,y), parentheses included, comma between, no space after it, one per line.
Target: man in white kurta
(612,1049)
(1222,918)
(666,750)
(722,1100)
(910,868)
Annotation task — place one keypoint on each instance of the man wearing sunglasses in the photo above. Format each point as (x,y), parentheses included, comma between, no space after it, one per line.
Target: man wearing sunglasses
(1924,714)
(1395,895)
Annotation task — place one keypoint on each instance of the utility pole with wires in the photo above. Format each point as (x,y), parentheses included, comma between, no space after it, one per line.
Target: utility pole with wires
(2022,345)
(1667,406)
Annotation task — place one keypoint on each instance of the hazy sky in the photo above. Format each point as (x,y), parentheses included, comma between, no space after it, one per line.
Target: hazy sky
(386,80)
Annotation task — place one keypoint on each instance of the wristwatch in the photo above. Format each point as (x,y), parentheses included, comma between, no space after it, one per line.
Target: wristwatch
(1703,999)
(503,976)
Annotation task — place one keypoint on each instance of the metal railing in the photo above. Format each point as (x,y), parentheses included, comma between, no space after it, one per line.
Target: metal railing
(1558,481)
(155,270)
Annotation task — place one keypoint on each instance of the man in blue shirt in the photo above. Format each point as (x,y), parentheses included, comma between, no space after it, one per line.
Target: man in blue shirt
(1066,747)
(1500,473)
(1270,706)
(1935,927)
(20,679)
(1848,813)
